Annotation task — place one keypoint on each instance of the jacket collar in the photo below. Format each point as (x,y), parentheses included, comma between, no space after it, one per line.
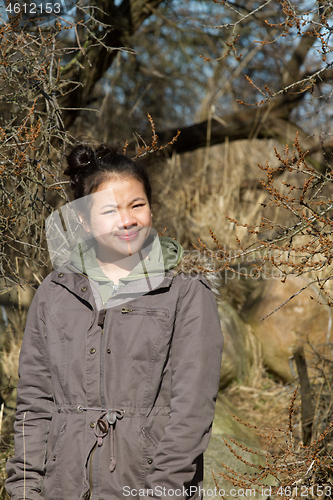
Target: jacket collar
(81,285)
(163,254)
(75,282)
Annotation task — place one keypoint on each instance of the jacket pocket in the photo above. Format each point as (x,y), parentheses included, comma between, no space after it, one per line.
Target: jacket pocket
(145,312)
(152,432)
(149,449)
(52,480)
(57,430)
(146,434)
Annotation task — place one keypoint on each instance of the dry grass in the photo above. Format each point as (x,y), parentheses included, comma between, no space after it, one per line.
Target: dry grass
(5,454)
(198,188)
(266,404)
(11,339)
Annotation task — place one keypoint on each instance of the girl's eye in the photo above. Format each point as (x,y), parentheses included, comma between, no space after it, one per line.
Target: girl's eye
(139,205)
(109,212)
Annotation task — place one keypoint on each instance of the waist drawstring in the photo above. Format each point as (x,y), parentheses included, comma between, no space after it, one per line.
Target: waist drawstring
(102,427)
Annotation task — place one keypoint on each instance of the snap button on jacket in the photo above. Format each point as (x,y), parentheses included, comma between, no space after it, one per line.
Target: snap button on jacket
(123,405)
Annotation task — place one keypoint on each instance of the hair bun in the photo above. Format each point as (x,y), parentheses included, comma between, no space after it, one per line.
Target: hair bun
(80,160)
(81,163)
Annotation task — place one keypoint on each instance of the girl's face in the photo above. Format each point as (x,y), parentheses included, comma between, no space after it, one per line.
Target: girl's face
(120,218)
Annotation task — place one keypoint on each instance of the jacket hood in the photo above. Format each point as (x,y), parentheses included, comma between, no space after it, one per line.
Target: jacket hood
(163,255)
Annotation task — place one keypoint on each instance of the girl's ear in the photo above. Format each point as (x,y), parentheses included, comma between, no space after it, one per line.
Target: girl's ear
(84,222)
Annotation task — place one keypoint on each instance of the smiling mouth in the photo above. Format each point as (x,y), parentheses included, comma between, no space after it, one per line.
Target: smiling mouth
(128,236)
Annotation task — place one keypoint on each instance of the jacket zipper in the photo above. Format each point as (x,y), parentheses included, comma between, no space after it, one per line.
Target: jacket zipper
(102,359)
(149,312)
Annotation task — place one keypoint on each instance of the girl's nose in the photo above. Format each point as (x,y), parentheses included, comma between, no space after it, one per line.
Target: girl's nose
(126,219)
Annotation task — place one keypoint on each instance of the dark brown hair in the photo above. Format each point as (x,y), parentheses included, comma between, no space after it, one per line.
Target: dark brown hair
(88,169)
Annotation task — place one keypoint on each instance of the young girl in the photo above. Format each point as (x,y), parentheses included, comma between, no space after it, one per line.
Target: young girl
(120,361)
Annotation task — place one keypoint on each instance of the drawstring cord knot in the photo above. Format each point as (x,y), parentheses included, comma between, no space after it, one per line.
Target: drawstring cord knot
(102,427)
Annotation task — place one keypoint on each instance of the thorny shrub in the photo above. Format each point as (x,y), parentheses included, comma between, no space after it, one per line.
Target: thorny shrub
(297,243)
(286,469)
(300,240)
(33,143)
(33,140)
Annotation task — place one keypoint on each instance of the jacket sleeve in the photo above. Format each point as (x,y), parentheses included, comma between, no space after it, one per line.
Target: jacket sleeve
(195,362)
(34,408)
